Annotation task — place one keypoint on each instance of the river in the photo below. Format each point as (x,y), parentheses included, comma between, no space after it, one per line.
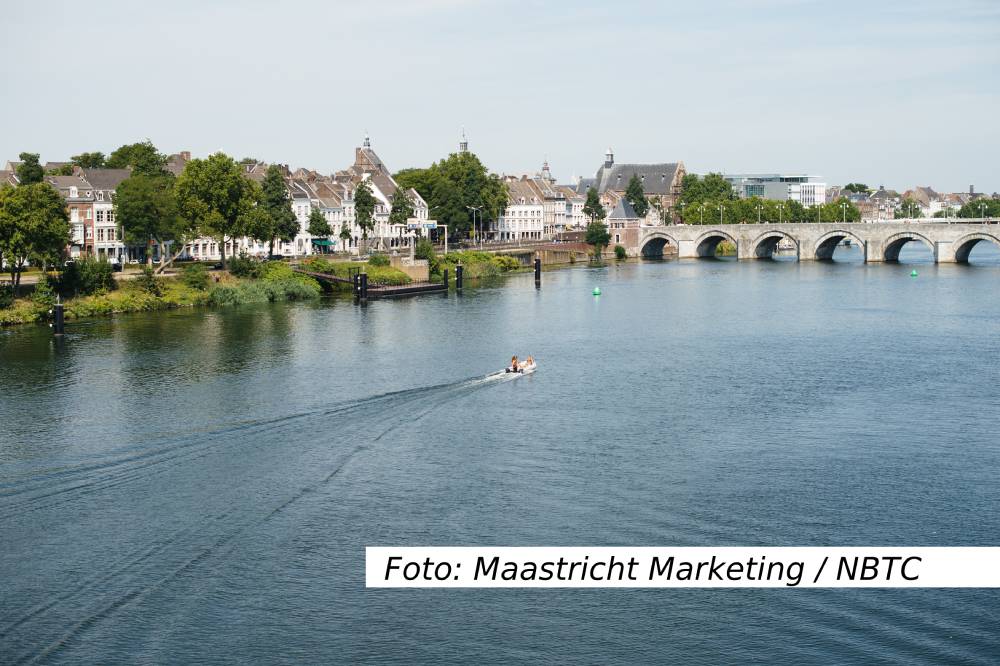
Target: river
(199,486)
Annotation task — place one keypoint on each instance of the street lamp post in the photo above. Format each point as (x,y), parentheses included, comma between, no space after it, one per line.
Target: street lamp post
(758,213)
(703,213)
(843,206)
(781,209)
(682,211)
(478,232)
(720,214)
(982,210)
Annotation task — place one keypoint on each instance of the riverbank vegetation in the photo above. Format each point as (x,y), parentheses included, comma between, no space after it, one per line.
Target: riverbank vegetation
(89,289)
(378,273)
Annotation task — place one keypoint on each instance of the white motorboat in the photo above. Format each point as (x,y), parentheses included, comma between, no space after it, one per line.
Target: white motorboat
(522,370)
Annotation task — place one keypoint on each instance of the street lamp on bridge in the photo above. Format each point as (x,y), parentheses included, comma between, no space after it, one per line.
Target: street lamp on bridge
(843,206)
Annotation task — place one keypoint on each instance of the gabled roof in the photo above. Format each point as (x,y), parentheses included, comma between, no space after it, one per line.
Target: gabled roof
(656,178)
(106,179)
(623,211)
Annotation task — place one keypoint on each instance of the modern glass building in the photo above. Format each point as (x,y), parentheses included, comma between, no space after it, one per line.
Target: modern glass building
(779,186)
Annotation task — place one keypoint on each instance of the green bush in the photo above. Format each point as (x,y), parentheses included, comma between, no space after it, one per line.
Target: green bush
(195,276)
(620,252)
(378,260)
(87,276)
(263,291)
(245,267)
(425,250)
(376,274)
(6,297)
(45,293)
(147,282)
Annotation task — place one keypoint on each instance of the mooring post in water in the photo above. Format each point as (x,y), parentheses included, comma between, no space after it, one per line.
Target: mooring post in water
(446,278)
(458,277)
(357,285)
(364,286)
(538,270)
(58,319)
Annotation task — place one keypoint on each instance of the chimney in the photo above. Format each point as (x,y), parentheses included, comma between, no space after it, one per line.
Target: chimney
(186,155)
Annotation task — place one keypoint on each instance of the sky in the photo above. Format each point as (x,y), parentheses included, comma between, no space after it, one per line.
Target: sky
(894,93)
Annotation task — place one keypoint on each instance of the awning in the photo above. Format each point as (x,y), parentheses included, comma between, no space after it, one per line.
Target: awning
(323,241)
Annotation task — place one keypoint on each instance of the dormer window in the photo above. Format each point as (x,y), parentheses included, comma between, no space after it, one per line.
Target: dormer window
(100,195)
(73,192)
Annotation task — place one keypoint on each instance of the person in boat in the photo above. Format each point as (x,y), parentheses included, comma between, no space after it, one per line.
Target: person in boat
(530,361)
(514,366)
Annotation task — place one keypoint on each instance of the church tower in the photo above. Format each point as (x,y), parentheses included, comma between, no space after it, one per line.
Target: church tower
(463,145)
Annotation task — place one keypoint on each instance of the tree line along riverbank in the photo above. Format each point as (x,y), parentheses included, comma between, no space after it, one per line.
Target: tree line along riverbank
(88,288)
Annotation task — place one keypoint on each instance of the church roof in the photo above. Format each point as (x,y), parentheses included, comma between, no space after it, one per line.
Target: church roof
(656,178)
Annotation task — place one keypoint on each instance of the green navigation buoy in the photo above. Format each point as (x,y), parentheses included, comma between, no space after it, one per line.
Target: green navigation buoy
(913,273)
(597,291)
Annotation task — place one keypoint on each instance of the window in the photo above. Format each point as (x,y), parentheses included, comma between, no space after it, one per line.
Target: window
(100,216)
(111,216)
(111,234)
(100,235)
(100,195)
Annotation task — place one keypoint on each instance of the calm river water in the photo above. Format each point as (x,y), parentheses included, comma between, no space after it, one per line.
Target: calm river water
(199,486)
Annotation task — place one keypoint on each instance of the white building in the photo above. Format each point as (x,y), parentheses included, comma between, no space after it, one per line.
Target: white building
(779,187)
(524,217)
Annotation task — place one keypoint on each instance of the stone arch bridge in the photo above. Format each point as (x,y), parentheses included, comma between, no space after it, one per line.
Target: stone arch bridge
(878,242)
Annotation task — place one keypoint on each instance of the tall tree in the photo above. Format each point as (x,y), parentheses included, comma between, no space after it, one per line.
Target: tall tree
(29,171)
(318,226)
(215,197)
(142,157)
(453,185)
(402,207)
(146,209)
(712,187)
(275,200)
(93,160)
(34,226)
(859,188)
(593,208)
(635,196)
(598,236)
(364,210)
(345,235)
(908,208)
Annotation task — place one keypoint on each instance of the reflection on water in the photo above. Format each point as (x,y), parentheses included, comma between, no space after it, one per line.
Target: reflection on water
(199,486)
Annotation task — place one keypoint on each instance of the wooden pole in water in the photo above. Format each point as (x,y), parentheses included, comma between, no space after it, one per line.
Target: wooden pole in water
(364,286)
(458,277)
(538,271)
(58,318)
(446,278)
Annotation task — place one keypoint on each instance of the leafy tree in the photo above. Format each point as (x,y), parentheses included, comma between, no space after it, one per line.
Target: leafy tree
(318,226)
(713,187)
(93,160)
(63,170)
(29,171)
(598,236)
(364,210)
(908,208)
(981,207)
(34,226)
(275,201)
(146,209)
(215,198)
(635,196)
(142,157)
(858,188)
(402,207)
(452,185)
(593,208)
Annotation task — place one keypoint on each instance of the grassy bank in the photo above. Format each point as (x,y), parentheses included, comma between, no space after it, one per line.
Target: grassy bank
(275,282)
(377,274)
(476,264)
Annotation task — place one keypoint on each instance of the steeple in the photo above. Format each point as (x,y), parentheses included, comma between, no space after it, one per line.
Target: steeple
(546,174)
(609,159)
(368,141)
(463,145)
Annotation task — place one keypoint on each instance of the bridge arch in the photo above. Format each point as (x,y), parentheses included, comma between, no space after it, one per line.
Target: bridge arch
(963,246)
(708,242)
(653,244)
(828,242)
(765,245)
(895,243)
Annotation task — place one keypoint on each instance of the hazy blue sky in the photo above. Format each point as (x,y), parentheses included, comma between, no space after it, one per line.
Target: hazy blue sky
(901,93)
